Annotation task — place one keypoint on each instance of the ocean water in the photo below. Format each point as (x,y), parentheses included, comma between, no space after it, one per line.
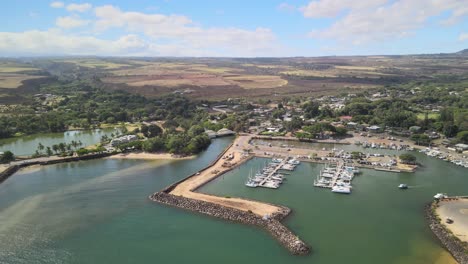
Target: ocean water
(98,212)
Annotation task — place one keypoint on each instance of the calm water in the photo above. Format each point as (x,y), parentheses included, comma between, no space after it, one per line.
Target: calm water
(98,212)
(27,145)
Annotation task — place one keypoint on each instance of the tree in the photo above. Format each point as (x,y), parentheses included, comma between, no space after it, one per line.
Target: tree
(7,157)
(155,144)
(153,131)
(49,152)
(421,139)
(55,147)
(450,129)
(340,131)
(144,130)
(40,147)
(195,131)
(463,136)
(408,158)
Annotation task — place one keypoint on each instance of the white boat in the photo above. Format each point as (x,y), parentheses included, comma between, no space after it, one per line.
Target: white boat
(294,162)
(251,184)
(403,186)
(271,185)
(341,189)
(275,160)
(440,196)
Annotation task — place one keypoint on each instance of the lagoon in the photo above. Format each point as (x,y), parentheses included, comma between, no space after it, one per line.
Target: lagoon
(27,145)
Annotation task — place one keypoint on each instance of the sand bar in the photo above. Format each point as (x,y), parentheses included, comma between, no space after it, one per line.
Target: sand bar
(457,210)
(149,156)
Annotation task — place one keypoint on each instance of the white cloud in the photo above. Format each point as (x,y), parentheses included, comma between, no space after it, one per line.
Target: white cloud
(463,37)
(332,8)
(182,31)
(79,7)
(145,35)
(55,42)
(286,7)
(378,20)
(57,4)
(70,22)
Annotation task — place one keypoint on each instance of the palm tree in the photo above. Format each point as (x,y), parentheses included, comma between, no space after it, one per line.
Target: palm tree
(55,147)
(40,147)
(49,152)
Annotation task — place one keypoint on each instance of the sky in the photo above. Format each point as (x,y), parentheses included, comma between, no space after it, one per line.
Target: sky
(240,28)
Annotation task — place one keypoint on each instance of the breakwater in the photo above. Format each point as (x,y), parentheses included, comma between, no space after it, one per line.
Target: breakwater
(272,224)
(453,244)
(14,168)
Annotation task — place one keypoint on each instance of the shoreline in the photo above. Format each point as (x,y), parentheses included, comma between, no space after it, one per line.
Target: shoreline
(182,194)
(150,156)
(453,244)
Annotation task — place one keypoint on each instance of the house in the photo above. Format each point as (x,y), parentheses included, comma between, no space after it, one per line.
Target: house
(345,118)
(351,125)
(374,129)
(461,147)
(273,129)
(415,129)
(123,140)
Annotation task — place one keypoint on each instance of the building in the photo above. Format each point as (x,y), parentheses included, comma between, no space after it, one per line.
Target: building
(374,129)
(461,147)
(123,140)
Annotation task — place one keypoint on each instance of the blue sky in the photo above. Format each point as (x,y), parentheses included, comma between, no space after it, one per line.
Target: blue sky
(232,28)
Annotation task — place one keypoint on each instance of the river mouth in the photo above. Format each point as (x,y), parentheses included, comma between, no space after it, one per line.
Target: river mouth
(98,212)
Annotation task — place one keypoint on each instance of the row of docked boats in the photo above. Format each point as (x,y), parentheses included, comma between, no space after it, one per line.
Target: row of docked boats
(336,177)
(437,153)
(269,176)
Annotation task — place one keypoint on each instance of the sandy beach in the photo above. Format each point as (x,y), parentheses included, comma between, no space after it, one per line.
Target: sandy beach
(188,187)
(458,211)
(149,156)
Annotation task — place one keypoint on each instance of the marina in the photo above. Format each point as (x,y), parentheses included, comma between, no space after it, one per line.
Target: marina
(336,177)
(269,176)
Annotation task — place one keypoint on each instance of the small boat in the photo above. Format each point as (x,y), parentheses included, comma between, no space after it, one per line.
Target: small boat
(403,186)
(251,184)
(294,162)
(448,220)
(440,196)
(341,189)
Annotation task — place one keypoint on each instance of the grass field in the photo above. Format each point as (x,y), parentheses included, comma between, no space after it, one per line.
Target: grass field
(12,81)
(430,115)
(95,63)
(257,81)
(309,73)
(14,67)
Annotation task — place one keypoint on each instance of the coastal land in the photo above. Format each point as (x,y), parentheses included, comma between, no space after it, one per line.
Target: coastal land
(184,193)
(149,156)
(448,221)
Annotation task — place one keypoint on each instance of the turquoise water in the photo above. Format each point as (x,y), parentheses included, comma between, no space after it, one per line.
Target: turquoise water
(98,212)
(27,145)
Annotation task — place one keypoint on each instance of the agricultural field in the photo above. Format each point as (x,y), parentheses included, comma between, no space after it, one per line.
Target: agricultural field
(97,64)
(221,78)
(12,74)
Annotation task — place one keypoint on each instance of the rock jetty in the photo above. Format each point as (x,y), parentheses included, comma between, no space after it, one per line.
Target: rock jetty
(453,245)
(272,224)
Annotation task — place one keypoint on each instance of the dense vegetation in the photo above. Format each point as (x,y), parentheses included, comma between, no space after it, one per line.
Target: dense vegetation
(78,105)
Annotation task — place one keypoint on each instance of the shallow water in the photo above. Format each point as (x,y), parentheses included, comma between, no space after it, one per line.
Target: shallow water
(98,212)
(27,145)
